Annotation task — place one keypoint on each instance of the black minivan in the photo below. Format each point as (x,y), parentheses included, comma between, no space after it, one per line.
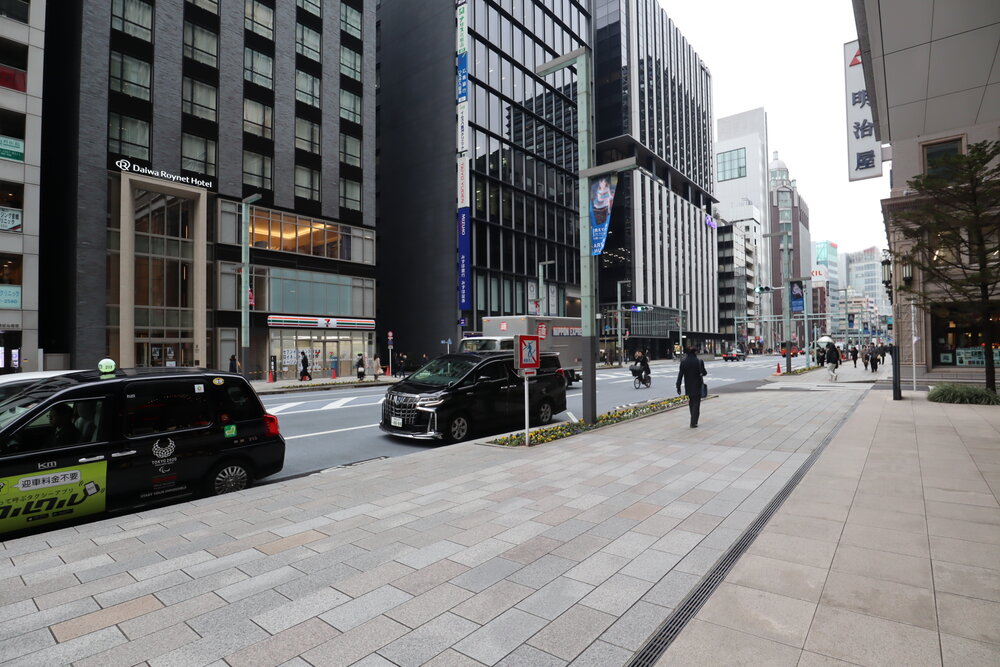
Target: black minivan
(456,395)
(90,442)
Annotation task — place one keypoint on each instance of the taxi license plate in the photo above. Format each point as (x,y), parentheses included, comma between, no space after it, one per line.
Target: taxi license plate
(396,421)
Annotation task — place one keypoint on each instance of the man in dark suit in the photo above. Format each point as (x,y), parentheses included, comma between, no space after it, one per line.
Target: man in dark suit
(692,369)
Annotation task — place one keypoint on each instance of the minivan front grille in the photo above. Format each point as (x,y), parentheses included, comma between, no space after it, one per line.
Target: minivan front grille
(399,405)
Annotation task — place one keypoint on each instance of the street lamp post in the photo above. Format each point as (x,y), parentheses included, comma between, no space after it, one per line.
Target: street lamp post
(680,320)
(620,318)
(786,306)
(245,280)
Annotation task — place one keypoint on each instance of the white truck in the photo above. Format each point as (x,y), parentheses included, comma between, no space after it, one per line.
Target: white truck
(563,335)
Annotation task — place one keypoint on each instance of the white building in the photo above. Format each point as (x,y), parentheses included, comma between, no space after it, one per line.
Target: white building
(742,190)
(22,34)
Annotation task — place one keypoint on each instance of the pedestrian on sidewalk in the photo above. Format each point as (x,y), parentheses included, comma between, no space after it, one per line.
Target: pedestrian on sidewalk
(854,355)
(832,360)
(234,365)
(360,366)
(874,361)
(865,357)
(692,370)
(377,367)
(305,369)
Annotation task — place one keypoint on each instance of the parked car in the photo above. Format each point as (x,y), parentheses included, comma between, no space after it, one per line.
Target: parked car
(795,351)
(734,355)
(457,395)
(89,442)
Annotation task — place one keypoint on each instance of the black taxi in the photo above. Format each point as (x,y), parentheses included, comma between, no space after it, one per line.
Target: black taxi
(97,441)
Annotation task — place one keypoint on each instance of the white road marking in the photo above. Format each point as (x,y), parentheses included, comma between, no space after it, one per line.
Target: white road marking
(275,409)
(338,430)
(338,403)
(331,406)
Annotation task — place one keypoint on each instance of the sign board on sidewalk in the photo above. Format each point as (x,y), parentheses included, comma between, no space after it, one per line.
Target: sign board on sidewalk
(527,352)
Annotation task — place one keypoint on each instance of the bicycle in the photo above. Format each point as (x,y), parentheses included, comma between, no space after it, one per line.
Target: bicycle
(641,379)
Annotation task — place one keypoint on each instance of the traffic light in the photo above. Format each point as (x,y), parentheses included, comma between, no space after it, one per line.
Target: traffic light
(761,289)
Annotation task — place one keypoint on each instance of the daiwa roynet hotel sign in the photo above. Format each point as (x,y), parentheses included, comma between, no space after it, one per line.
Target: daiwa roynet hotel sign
(133,168)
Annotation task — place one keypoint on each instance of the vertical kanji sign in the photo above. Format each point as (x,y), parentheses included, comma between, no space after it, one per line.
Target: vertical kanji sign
(864,151)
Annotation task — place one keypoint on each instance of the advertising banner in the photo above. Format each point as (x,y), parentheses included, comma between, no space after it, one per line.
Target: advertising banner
(462,92)
(864,151)
(797,297)
(461,25)
(35,498)
(462,131)
(11,148)
(10,296)
(602,197)
(10,219)
(464,260)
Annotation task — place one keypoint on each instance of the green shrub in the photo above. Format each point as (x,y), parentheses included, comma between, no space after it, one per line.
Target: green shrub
(963,393)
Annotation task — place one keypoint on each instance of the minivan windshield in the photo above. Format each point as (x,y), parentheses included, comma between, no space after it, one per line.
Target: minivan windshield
(443,371)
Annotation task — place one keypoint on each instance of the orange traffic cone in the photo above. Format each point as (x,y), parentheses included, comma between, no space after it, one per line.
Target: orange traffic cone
(779,369)
(333,372)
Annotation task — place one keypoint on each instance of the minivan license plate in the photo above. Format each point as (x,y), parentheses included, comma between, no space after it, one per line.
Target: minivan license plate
(396,421)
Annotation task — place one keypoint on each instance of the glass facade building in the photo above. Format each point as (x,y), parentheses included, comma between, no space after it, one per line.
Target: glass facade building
(203,104)
(507,140)
(653,101)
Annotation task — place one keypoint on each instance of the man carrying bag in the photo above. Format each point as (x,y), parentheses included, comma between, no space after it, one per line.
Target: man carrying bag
(692,370)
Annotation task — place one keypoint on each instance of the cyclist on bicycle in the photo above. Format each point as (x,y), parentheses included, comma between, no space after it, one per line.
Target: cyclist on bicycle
(642,361)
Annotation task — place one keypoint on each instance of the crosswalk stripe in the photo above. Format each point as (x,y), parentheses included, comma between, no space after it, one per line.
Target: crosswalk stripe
(338,403)
(284,406)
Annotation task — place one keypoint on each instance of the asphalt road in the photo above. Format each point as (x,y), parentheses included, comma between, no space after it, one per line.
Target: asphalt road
(323,429)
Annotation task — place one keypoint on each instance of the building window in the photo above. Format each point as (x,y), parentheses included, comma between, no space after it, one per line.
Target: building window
(350,106)
(307,183)
(256,170)
(307,88)
(350,194)
(307,42)
(350,150)
(732,164)
(257,118)
(307,135)
(936,152)
(258,68)
(350,62)
(129,75)
(784,199)
(201,44)
(311,6)
(128,136)
(198,154)
(258,18)
(199,99)
(350,20)
(133,17)
(210,5)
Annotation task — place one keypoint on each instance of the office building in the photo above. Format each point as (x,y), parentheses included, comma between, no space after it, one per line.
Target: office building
(826,271)
(791,250)
(933,91)
(861,271)
(742,186)
(22,36)
(477,176)
(159,118)
(653,101)
(738,321)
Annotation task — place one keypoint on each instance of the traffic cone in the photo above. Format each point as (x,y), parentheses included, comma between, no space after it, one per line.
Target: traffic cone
(270,376)
(333,372)
(779,369)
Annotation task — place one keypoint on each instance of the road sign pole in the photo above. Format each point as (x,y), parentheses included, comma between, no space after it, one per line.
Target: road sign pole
(527,417)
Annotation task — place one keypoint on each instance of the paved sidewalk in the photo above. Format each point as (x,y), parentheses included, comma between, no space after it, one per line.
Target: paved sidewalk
(573,552)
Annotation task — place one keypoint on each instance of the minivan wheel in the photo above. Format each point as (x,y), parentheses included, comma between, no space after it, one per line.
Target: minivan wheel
(458,428)
(228,477)
(544,414)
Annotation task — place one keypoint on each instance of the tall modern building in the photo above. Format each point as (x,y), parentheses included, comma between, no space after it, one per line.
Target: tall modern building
(477,165)
(789,215)
(826,269)
(861,271)
(653,102)
(22,37)
(159,118)
(742,186)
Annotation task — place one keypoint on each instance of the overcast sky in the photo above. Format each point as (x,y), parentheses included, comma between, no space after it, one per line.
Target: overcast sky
(786,56)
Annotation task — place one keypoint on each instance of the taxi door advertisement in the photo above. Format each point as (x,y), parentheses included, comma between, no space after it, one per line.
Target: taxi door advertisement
(60,494)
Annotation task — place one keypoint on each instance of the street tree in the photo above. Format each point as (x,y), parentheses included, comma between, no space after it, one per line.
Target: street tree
(951,232)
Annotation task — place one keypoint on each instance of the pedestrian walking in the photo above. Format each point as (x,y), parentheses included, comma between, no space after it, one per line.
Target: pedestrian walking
(873,361)
(691,371)
(377,367)
(854,355)
(832,361)
(234,365)
(360,366)
(821,356)
(865,356)
(304,362)
(881,354)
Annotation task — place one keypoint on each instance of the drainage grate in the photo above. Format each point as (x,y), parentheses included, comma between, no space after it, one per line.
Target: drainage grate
(668,631)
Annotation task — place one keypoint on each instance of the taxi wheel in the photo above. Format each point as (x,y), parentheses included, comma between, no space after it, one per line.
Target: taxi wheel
(544,414)
(228,477)
(458,428)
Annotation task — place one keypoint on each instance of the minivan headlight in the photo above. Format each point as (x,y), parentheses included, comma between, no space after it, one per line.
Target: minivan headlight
(430,401)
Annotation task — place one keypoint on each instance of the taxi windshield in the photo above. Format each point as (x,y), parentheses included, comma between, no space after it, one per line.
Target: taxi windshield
(443,371)
(17,405)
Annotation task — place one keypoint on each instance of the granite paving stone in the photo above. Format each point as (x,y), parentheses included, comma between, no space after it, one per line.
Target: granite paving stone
(28,642)
(555,598)
(78,592)
(631,630)
(371,579)
(356,643)
(152,622)
(140,588)
(490,643)
(490,603)
(602,654)
(73,650)
(877,597)
(572,632)
(422,608)
(959,652)
(483,576)
(867,640)
(135,651)
(529,656)
(431,638)
(235,613)
(707,644)
(103,618)
(46,617)
(320,601)
(616,594)
(364,608)
(903,569)
(969,617)
(283,646)
(424,579)
(255,585)
(213,646)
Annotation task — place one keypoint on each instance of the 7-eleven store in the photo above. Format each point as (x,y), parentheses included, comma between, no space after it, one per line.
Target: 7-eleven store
(330,343)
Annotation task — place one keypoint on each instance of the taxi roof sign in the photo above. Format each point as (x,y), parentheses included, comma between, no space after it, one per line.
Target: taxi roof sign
(528,352)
